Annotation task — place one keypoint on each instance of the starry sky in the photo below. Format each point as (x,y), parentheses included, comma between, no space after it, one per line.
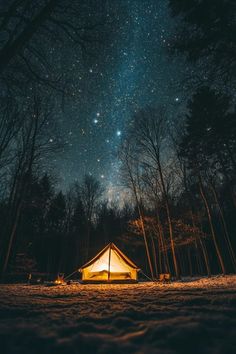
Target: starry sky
(128,70)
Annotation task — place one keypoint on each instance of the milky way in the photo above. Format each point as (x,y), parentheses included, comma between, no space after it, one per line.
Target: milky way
(129,70)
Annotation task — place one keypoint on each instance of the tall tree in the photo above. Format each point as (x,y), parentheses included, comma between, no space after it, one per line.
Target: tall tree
(149,136)
(206,30)
(208,147)
(90,192)
(131,178)
(31,146)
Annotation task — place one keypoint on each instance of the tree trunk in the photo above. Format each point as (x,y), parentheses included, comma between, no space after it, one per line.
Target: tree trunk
(23,171)
(176,267)
(190,262)
(145,241)
(154,257)
(231,156)
(227,238)
(203,248)
(204,198)
(206,258)
(131,179)
(229,182)
(159,252)
(162,246)
(11,238)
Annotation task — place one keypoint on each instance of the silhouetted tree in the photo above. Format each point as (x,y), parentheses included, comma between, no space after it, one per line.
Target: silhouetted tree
(149,137)
(31,146)
(208,147)
(90,192)
(206,30)
(29,29)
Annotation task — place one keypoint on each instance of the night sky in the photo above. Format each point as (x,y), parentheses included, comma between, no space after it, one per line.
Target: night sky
(127,71)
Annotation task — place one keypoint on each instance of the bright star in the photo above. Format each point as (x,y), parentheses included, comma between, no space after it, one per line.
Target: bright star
(118,133)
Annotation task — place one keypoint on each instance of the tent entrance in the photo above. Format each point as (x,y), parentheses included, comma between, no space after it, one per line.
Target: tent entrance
(108,276)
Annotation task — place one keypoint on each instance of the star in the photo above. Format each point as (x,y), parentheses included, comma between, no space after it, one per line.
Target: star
(106,90)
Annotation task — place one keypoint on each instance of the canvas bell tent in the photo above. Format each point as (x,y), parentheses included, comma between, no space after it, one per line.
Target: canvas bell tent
(109,265)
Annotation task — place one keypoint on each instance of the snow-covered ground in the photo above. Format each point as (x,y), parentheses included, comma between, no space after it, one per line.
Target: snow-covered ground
(187,317)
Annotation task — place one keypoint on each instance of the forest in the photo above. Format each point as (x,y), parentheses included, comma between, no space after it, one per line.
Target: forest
(179,172)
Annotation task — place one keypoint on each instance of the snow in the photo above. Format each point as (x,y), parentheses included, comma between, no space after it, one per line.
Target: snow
(192,316)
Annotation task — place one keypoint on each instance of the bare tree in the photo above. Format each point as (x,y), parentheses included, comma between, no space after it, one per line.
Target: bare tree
(90,192)
(131,178)
(176,133)
(31,146)
(32,33)
(150,137)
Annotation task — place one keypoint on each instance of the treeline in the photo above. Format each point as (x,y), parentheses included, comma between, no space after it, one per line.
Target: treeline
(183,182)
(59,232)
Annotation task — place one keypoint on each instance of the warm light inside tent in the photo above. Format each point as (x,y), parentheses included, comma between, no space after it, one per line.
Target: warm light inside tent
(110,264)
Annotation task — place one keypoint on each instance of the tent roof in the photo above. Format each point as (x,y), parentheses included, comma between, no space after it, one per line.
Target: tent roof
(111,246)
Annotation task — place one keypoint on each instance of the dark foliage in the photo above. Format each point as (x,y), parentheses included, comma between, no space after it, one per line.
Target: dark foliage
(206,30)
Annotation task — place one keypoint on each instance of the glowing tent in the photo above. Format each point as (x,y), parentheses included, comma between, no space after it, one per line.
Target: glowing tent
(109,265)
